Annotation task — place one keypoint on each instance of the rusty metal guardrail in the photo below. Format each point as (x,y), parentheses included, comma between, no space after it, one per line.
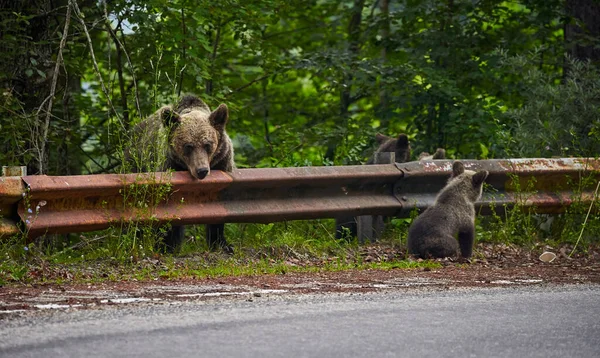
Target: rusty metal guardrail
(543,185)
(47,204)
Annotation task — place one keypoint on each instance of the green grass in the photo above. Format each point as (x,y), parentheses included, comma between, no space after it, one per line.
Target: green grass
(515,226)
(279,248)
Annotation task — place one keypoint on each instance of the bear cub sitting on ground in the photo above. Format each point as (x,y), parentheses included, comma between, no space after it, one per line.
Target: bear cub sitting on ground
(433,232)
(197,143)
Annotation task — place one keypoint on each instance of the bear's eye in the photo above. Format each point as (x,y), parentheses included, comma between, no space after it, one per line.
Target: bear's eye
(207,147)
(187,149)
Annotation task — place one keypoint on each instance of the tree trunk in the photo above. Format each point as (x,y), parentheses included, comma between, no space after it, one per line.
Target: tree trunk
(582,30)
(384,112)
(346,89)
(67,149)
(353,49)
(27,66)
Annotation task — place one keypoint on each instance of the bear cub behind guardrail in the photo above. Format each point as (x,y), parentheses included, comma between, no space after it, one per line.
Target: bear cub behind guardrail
(432,234)
(346,226)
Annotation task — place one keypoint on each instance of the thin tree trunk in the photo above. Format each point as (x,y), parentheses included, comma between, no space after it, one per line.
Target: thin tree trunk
(265,105)
(29,88)
(45,125)
(346,89)
(183,49)
(384,114)
(582,30)
(68,156)
(213,59)
(119,67)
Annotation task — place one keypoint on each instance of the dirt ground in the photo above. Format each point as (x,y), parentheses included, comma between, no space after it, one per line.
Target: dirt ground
(503,266)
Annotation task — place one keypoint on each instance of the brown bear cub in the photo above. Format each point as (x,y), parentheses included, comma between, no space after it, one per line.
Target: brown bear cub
(346,225)
(433,233)
(196,142)
(400,146)
(440,153)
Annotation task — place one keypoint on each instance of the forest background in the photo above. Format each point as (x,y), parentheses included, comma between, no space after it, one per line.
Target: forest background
(307,82)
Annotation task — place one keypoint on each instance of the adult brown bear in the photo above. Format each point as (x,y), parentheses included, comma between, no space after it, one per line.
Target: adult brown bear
(196,141)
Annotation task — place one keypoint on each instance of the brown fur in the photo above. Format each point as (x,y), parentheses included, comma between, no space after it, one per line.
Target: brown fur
(433,233)
(400,146)
(440,153)
(196,141)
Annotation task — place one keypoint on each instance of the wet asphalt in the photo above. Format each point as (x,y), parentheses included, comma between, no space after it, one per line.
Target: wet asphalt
(531,321)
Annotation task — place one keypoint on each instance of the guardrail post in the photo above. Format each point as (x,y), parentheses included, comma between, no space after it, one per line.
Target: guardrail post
(11,191)
(20,171)
(370,227)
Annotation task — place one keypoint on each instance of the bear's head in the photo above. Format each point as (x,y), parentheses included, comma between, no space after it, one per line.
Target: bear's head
(195,133)
(400,146)
(467,182)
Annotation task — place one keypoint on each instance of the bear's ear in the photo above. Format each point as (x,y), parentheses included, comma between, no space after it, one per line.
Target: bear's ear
(440,153)
(169,117)
(479,178)
(218,118)
(457,169)
(402,141)
(380,138)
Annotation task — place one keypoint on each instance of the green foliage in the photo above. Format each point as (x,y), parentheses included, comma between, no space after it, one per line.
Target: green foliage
(274,248)
(308,82)
(560,116)
(312,238)
(520,224)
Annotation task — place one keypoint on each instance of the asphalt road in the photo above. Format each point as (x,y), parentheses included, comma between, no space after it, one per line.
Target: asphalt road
(549,321)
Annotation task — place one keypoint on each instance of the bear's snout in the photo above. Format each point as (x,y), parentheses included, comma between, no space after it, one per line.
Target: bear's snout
(201,173)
